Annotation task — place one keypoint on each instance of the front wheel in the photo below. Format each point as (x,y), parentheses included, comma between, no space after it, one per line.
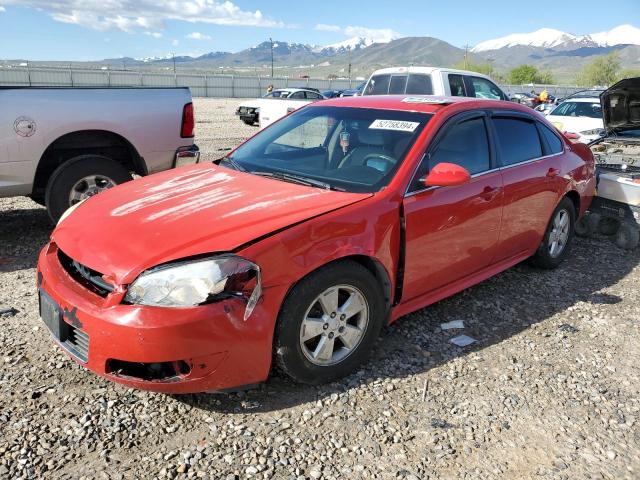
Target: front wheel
(80,178)
(556,243)
(328,323)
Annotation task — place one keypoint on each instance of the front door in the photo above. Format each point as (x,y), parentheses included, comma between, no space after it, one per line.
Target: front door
(452,232)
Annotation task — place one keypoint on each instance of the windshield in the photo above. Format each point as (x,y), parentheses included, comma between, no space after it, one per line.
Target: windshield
(399,84)
(578,109)
(350,149)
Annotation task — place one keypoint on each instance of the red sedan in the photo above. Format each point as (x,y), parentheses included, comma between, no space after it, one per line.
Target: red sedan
(299,245)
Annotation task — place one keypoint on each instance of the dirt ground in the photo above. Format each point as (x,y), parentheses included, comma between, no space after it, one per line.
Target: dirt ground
(550,389)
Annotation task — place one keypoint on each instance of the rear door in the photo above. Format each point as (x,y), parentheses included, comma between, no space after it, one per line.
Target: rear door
(452,232)
(529,173)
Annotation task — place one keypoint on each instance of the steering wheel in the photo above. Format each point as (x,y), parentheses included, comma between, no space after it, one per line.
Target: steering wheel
(379,156)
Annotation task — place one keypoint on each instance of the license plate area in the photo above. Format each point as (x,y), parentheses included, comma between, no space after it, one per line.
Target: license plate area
(51,315)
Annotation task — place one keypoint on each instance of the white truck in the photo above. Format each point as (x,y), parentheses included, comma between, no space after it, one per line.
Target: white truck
(60,145)
(432,81)
(276,105)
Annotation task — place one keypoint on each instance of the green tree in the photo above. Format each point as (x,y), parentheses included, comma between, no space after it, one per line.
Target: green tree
(523,74)
(629,73)
(601,71)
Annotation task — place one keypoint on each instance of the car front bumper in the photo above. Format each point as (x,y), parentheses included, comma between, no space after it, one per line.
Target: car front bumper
(171,350)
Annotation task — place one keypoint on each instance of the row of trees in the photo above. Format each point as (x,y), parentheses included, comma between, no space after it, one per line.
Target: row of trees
(602,71)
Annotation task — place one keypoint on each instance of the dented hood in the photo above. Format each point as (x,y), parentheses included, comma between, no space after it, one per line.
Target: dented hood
(621,105)
(180,213)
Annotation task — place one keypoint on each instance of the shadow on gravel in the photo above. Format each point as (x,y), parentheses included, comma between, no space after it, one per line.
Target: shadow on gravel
(492,311)
(23,232)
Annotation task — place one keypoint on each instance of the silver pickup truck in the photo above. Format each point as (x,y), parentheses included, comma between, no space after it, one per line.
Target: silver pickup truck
(62,145)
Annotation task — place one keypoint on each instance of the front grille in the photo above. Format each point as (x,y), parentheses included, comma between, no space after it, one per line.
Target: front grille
(88,278)
(77,343)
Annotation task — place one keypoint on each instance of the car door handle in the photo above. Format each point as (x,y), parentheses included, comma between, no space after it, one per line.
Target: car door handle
(553,172)
(489,193)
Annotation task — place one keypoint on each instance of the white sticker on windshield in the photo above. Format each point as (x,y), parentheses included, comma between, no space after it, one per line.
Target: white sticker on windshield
(398,125)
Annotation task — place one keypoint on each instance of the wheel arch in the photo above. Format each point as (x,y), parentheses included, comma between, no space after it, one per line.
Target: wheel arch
(81,142)
(575,199)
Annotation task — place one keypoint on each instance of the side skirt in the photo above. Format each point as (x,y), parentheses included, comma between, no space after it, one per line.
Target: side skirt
(455,287)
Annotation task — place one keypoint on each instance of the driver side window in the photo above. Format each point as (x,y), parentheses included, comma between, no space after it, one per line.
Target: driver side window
(465,144)
(311,134)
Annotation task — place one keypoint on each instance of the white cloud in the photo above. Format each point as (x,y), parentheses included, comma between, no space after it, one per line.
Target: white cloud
(175,42)
(323,27)
(154,34)
(198,36)
(382,35)
(2,9)
(150,15)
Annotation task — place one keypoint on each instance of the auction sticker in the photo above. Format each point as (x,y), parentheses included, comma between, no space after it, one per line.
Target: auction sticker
(398,125)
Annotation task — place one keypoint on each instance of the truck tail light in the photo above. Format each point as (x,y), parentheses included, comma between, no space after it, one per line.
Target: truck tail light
(188,121)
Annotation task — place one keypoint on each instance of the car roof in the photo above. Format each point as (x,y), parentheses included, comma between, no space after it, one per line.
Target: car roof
(417,103)
(582,100)
(426,70)
(293,89)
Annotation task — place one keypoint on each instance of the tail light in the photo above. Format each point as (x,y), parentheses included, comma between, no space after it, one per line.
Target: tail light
(188,121)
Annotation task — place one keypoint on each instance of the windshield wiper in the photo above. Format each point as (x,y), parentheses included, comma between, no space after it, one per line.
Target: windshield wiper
(232,163)
(287,177)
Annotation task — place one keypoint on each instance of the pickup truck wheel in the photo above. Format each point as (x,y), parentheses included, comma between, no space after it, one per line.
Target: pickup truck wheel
(328,323)
(556,242)
(80,178)
(248,121)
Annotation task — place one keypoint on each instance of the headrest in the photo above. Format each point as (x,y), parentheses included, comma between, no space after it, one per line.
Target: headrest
(371,136)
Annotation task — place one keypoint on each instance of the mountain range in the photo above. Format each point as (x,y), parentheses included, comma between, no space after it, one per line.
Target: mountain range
(563,53)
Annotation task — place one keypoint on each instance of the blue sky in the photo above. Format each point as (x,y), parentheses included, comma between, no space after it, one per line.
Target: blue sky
(97,29)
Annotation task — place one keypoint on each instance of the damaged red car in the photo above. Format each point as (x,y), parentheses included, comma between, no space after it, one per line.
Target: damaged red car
(297,247)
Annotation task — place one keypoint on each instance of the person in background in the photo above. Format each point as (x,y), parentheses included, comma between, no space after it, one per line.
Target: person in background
(544,96)
(270,88)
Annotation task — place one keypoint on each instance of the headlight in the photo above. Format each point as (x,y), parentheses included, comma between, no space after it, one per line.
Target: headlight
(69,211)
(595,131)
(197,282)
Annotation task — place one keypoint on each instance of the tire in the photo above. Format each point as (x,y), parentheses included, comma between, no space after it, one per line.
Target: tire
(608,226)
(68,177)
(248,121)
(545,257)
(627,237)
(587,226)
(295,356)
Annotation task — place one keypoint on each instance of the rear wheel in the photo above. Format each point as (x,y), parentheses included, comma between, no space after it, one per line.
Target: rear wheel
(329,323)
(557,239)
(80,178)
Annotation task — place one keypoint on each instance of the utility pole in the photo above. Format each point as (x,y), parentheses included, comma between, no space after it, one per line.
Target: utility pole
(349,66)
(173,56)
(466,56)
(271,40)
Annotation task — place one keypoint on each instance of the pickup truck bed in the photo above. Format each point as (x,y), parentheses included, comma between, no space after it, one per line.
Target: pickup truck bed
(61,145)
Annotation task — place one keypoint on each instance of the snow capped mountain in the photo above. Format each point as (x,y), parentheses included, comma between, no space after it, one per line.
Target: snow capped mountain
(545,37)
(357,42)
(621,35)
(549,38)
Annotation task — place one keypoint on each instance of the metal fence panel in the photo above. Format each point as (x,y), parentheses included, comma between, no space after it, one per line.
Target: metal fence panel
(201,85)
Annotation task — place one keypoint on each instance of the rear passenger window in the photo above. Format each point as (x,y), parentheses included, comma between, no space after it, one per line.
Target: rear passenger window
(519,140)
(456,85)
(419,84)
(485,89)
(555,144)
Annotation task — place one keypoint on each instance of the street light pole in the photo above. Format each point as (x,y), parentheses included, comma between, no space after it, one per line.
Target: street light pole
(173,56)
(271,40)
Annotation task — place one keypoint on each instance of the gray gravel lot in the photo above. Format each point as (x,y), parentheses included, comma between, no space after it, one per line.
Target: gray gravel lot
(550,390)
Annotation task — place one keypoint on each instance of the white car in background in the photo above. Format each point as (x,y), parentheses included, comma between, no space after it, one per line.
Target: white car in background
(579,116)
(249,110)
(432,81)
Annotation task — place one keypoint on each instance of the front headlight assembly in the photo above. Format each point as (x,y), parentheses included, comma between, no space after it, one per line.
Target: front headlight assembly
(198,282)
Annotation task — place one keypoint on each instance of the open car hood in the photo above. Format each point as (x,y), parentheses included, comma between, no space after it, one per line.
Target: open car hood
(621,105)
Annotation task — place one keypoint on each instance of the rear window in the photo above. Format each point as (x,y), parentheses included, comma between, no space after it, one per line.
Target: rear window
(518,139)
(555,144)
(578,109)
(414,84)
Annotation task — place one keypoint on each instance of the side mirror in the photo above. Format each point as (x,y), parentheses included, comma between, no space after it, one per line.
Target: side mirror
(447,175)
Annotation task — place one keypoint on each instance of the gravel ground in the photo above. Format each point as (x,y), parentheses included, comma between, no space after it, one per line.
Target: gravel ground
(550,389)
